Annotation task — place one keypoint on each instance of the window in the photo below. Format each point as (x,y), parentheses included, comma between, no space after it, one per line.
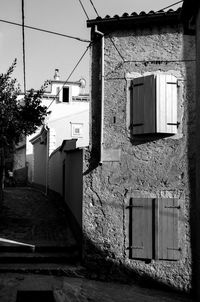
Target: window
(153,228)
(77,130)
(66,94)
(153,104)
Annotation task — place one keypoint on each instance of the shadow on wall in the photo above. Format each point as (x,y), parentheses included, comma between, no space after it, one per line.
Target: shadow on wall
(191,132)
(101,263)
(100,266)
(115,270)
(144,138)
(20,176)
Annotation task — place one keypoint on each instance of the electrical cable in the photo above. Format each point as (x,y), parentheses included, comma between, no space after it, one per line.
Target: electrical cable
(145,61)
(126,61)
(117,49)
(94,8)
(170,6)
(84,9)
(46,31)
(23,46)
(109,36)
(70,74)
(158,61)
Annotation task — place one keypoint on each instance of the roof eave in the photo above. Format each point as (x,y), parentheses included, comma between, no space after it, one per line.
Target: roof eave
(37,136)
(153,18)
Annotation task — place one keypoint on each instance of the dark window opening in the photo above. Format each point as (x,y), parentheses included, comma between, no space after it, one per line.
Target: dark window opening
(66,94)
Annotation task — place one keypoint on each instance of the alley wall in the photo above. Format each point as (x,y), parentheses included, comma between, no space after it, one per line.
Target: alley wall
(197,205)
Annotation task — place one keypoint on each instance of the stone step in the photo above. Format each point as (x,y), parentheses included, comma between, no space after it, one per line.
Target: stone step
(70,257)
(59,269)
(37,248)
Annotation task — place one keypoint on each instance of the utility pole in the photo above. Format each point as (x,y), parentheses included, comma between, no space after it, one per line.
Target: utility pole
(23,43)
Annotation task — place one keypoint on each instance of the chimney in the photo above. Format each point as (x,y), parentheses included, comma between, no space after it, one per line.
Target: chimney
(82,84)
(56,75)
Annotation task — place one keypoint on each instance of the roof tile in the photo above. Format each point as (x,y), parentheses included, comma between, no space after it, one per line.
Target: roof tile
(136,17)
(142,13)
(125,15)
(134,14)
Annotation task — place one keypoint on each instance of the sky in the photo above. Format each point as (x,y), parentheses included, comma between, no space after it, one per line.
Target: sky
(46,52)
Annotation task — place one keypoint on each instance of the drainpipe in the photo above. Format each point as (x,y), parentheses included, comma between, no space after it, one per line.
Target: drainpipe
(102,92)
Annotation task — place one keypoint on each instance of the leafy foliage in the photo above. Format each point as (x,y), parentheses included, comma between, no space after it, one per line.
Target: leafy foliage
(19,117)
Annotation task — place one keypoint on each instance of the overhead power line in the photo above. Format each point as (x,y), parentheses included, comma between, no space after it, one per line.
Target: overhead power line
(148,61)
(94,8)
(170,5)
(46,31)
(23,46)
(159,61)
(70,74)
(115,46)
(83,9)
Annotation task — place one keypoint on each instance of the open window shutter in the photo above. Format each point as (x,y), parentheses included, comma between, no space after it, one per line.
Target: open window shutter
(58,93)
(141,228)
(168,248)
(143,105)
(166,104)
(138,106)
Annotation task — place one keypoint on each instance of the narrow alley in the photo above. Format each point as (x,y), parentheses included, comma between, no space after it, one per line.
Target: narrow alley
(30,222)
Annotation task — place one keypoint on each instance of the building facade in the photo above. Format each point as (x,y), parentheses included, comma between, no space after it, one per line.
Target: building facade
(139,169)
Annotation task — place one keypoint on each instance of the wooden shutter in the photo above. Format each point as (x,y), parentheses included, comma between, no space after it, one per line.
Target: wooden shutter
(58,93)
(141,228)
(168,248)
(143,105)
(166,104)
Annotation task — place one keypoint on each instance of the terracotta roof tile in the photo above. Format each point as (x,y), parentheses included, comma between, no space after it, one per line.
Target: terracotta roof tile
(134,16)
(151,12)
(125,15)
(142,13)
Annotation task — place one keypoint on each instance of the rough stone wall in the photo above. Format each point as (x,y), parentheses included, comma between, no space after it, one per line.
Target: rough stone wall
(197,206)
(150,166)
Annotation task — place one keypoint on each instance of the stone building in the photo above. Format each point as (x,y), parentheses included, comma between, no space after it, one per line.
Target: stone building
(139,169)
(191,20)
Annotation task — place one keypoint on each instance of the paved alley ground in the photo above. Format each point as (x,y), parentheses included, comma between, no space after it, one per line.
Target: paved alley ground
(28,216)
(65,289)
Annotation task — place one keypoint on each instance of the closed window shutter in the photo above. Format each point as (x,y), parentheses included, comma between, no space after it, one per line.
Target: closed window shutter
(143,105)
(166,104)
(141,228)
(168,248)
